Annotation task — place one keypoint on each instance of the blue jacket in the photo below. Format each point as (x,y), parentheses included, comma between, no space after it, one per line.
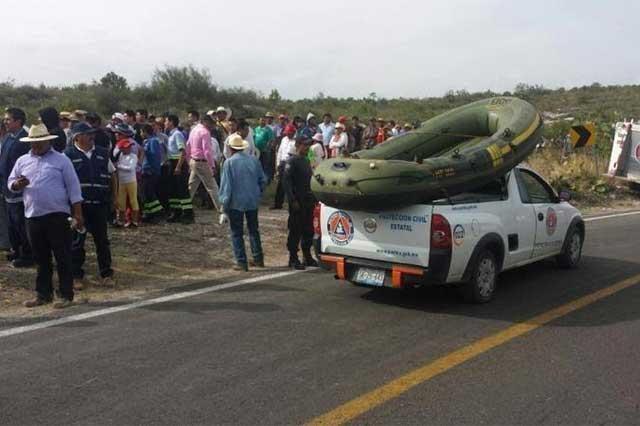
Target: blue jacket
(12,149)
(93,174)
(241,183)
(152,162)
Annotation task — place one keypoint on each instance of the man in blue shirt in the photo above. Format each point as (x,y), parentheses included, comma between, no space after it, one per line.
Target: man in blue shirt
(49,185)
(12,149)
(179,197)
(151,168)
(241,187)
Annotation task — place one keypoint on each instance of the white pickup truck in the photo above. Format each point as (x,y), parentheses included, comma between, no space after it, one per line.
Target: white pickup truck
(466,240)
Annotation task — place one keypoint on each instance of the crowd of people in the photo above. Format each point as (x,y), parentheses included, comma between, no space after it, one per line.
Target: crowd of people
(69,175)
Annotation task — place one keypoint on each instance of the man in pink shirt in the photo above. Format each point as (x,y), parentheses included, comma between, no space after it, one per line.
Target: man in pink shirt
(202,163)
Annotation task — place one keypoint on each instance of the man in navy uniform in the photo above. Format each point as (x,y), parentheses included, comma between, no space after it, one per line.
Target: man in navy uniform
(94,169)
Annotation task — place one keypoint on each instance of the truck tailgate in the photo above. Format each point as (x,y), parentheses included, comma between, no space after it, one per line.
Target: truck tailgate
(401,236)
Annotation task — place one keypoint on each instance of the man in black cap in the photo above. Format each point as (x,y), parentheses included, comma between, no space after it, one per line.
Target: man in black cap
(297,186)
(94,169)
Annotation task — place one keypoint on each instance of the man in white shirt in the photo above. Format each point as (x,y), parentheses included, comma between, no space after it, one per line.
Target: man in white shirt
(287,147)
(327,128)
(243,130)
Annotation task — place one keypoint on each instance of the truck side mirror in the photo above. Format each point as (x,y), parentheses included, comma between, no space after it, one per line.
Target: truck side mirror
(565,195)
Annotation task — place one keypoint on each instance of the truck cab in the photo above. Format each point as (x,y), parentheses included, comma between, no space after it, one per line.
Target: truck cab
(465,240)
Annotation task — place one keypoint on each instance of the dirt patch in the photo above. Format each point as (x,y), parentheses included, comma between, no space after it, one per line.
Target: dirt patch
(154,258)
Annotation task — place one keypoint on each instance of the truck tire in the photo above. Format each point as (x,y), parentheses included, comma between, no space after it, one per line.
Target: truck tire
(484,276)
(572,249)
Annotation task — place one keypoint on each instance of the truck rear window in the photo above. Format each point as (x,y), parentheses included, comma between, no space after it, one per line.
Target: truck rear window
(496,190)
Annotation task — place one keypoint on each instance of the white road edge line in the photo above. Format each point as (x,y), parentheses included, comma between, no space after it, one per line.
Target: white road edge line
(107,311)
(591,219)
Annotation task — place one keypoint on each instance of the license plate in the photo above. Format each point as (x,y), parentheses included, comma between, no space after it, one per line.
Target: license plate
(374,277)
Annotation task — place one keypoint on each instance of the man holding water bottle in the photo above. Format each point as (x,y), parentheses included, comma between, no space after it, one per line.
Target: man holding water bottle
(49,185)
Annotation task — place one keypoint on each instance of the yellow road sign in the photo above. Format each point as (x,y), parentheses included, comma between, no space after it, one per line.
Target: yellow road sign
(583,135)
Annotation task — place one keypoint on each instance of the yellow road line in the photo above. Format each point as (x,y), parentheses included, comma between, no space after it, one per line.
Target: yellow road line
(395,388)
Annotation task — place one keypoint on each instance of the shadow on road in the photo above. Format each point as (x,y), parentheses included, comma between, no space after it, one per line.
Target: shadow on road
(528,291)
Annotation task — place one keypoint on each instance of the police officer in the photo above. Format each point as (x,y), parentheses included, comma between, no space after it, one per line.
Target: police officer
(94,170)
(296,182)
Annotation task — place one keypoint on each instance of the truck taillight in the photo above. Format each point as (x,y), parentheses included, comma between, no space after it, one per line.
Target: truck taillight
(440,232)
(316,220)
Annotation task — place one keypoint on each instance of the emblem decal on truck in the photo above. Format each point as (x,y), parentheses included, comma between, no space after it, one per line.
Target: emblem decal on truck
(370,225)
(340,227)
(552,221)
(458,235)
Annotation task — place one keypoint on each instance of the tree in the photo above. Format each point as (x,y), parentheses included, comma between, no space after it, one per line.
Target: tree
(274,96)
(111,80)
(182,88)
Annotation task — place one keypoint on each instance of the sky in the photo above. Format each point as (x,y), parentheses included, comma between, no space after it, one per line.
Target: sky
(395,48)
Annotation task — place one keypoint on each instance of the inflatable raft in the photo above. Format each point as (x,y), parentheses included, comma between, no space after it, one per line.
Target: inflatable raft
(457,151)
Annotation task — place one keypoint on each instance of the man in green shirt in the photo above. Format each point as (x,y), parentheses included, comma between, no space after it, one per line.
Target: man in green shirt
(264,139)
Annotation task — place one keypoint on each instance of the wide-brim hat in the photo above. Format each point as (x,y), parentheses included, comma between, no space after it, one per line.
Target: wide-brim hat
(123,129)
(269,115)
(224,109)
(237,143)
(64,115)
(38,133)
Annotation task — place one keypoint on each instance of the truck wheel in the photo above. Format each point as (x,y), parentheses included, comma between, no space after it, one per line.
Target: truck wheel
(572,250)
(481,287)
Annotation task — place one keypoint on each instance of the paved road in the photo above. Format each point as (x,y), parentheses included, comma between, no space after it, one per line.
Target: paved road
(286,351)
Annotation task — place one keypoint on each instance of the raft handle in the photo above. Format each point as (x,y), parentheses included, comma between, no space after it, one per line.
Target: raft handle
(341,166)
(320,179)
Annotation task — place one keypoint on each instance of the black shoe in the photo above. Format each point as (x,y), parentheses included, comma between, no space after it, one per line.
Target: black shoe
(294,263)
(173,218)
(310,262)
(22,263)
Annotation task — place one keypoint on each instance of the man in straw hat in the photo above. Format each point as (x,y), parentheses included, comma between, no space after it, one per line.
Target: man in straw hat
(48,183)
(12,149)
(241,187)
(297,186)
(94,169)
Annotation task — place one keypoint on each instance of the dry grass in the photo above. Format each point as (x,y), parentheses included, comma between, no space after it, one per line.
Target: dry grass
(583,174)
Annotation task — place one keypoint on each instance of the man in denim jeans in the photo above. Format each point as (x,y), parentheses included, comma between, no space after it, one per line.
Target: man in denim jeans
(241,187)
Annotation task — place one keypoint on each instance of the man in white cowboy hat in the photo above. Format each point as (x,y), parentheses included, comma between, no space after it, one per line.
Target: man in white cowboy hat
(241,187)
(49,185)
